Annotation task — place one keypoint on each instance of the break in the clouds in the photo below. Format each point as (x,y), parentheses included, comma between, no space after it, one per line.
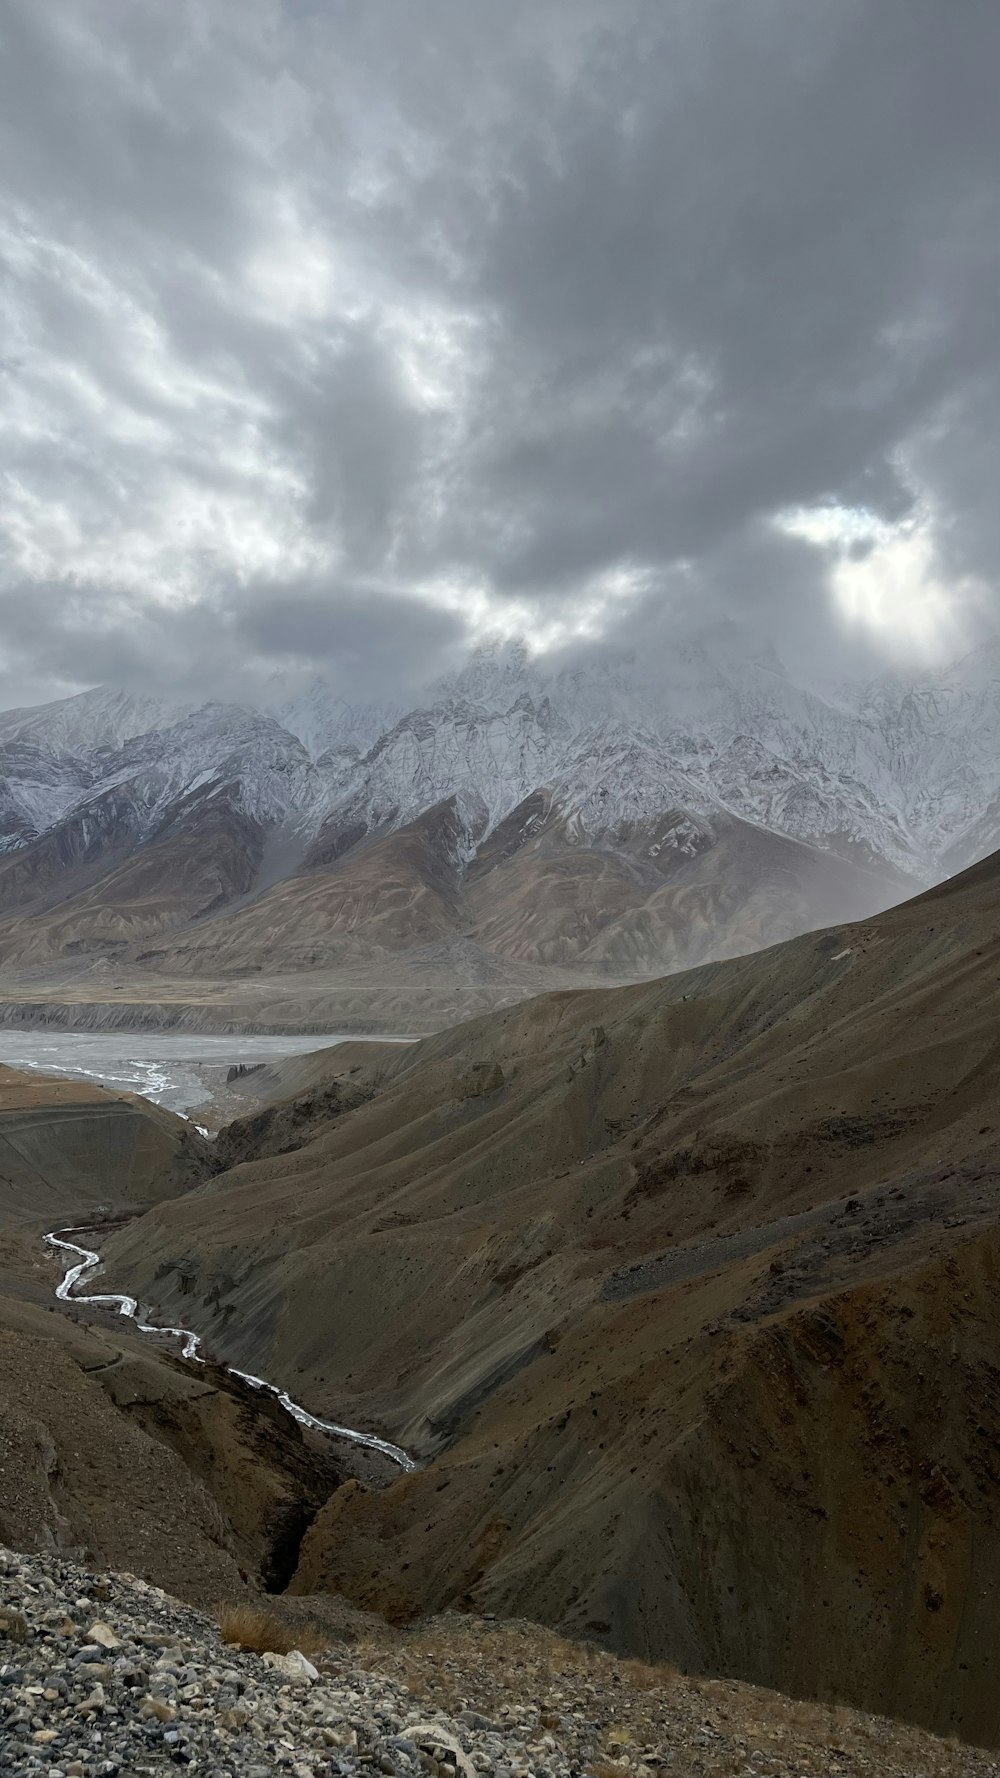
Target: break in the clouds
(347,334)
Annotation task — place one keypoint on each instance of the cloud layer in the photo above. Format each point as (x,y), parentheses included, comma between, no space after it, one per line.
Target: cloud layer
(344,335)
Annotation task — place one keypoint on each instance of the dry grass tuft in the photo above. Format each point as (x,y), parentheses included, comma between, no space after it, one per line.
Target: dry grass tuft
(258,1632)
(643,1677)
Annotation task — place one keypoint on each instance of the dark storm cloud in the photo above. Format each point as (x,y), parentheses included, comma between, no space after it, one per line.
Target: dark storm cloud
(371,637)
(333,333)
(224,646)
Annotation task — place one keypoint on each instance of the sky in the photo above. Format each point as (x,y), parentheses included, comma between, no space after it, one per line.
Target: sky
(344,336)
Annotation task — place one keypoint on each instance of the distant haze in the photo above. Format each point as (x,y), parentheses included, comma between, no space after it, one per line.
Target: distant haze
(345,337)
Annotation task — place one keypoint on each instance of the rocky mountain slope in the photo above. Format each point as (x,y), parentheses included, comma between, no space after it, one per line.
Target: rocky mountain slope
(618,821)
(683,1291)
(114,1455)
(103,1673)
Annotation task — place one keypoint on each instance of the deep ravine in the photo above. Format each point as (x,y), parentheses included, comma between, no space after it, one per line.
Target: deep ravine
(88,1261)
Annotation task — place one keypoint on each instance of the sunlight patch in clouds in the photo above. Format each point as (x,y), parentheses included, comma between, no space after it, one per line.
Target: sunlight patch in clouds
(885,578)
(896,591)
(586,616)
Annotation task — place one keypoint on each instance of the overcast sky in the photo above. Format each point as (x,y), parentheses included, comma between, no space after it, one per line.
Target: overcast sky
(346,334)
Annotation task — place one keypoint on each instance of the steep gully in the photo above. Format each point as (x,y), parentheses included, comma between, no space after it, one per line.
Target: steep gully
(128,1306)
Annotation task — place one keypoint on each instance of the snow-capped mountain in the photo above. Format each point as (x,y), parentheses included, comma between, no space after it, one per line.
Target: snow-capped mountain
(578,797)
(93,720)
(325,723)
(900,770)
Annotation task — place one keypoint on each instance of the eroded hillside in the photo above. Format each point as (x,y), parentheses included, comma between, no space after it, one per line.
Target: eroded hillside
(110,1445)
(682,1291)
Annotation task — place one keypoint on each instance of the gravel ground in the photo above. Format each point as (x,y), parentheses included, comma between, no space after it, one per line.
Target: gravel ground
(105,1676)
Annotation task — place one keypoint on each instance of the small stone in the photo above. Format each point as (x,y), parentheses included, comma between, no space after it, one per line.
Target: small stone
(158,1707)
(236,1717)
(103,1635)
(13,1625)
(293,1667)
(444,1748)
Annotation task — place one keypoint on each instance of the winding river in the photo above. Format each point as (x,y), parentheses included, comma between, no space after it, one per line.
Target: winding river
(88,1261)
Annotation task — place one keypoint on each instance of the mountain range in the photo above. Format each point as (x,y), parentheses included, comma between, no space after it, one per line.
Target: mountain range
(521,828)
(680,1294)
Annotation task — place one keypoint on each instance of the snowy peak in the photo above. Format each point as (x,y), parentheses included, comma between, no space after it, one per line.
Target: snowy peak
(322,721)
(903,771)
(91,721)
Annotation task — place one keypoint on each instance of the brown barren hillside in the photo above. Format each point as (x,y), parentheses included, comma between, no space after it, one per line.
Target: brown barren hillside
(66,1146)
(110,1446)
(686,1294)
(215,924)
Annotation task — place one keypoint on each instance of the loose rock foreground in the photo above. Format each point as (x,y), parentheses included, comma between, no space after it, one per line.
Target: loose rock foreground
(105,1676)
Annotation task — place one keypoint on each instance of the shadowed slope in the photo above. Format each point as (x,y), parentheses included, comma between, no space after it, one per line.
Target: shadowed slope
(687,1290)
(110,1447)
